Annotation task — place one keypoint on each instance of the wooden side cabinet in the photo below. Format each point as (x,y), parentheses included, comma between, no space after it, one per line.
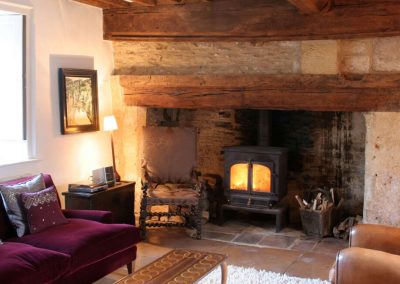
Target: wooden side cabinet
(119,199)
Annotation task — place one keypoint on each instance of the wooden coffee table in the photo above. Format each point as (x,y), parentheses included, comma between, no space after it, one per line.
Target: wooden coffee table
(179,266)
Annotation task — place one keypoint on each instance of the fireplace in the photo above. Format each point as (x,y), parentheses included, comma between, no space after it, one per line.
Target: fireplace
(324,149)
(255,176)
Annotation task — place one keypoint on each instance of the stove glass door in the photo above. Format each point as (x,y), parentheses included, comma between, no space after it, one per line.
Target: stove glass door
(239,176)
(261,178)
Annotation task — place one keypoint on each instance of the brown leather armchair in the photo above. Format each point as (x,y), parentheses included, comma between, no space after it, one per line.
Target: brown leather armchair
(373,256)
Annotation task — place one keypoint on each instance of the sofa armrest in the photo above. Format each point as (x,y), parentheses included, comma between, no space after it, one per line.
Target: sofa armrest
(94,215)
(366,266)
(377,237)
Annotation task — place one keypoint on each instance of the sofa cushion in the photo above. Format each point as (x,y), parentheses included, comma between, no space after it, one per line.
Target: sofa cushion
(42,209)
(84,240)
(23,263)
(11,195)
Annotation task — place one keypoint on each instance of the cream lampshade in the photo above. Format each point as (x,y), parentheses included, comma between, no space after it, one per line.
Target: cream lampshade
(110,124)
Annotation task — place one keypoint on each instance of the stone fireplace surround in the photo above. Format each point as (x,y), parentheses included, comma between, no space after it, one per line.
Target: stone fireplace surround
(369,180)
(374,55)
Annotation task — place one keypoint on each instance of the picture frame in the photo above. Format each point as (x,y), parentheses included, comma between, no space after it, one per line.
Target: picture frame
(78,100)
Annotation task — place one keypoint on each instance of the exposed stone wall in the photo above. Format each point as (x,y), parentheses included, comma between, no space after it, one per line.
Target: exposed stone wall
(370,55)
(206,58)
(325,149)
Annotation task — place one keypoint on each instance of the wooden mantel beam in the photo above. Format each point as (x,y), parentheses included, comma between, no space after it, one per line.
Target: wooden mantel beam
(370,92)
(312,6)
(253,20)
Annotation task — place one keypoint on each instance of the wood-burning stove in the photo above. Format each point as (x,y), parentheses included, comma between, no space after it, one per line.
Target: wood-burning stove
(255,181)
(255,176)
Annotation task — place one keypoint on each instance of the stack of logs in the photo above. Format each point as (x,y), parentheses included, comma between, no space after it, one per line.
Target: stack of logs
(342,231)
(323,200)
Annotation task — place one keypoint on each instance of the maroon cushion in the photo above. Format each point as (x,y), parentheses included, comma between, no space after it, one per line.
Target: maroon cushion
(42,209)
(11,195)
(21,263)
(84,240)
(6,228)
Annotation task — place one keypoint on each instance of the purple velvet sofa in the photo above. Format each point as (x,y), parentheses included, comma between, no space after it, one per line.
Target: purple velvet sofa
(84,250)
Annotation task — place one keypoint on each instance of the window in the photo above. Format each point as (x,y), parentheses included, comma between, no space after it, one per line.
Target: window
(13,132)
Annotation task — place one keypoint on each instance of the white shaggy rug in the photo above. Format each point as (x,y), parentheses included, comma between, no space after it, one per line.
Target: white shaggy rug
(241,275)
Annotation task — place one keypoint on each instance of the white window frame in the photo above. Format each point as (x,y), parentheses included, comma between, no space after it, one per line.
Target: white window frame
(26,10)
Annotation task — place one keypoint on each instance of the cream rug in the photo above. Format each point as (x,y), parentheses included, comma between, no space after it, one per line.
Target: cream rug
(241,275)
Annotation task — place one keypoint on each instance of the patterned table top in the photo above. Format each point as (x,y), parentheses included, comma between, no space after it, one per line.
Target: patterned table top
(177,266)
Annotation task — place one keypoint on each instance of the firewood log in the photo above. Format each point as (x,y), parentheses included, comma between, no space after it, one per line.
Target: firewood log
(300,201)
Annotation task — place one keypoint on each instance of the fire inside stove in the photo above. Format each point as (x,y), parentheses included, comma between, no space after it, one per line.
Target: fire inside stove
(250,176)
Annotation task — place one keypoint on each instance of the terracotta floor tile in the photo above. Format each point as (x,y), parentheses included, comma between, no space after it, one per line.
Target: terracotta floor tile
(261,258)
(168,237)
(292,232)
(248,238)
(148,249)
(330,246)
(227,227)
(311,265)
(206,245)
(304,245)
(277,241)
(260,230)
(226,237)
(113,277)
(178,238)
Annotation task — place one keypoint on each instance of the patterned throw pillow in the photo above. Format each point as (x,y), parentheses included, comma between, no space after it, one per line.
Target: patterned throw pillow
(42,209)
(11,195)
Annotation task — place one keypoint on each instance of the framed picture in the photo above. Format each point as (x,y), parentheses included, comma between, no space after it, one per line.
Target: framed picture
(78,100)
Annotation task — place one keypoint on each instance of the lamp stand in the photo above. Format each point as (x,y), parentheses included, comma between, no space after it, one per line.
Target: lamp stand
(116,175)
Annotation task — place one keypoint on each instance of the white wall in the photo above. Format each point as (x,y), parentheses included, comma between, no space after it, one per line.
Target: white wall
(70,35)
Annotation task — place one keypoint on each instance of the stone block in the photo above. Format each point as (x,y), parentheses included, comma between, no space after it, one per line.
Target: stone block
(355,56)
(357,64)
(386,55)
(356,47)
(319,57)
(206,57)
(382,180)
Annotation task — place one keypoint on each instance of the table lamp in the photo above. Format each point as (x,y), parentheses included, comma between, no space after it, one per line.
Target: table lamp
(110,124)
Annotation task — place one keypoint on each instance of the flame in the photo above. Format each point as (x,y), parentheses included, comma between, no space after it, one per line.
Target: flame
(261,177)
(239,176)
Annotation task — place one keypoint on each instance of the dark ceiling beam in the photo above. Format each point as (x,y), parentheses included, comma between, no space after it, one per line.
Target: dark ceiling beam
(105,4)
(312,6)
(148,3)
(251,20)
